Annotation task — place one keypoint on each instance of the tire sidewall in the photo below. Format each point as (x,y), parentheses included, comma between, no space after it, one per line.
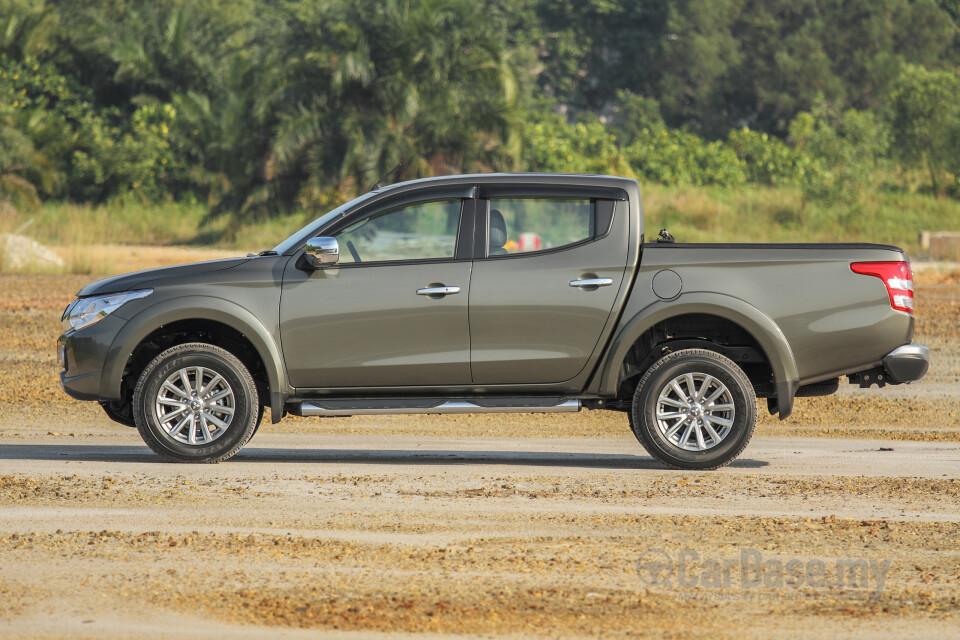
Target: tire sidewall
(645,407)
(245,403)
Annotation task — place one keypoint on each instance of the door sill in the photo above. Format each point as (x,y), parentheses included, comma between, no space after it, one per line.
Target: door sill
(387,406)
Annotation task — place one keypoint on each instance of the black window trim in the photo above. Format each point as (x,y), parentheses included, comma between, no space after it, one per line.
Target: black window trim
(488,191)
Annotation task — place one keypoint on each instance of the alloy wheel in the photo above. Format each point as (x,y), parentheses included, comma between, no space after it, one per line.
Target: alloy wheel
(195,405)
(695,411)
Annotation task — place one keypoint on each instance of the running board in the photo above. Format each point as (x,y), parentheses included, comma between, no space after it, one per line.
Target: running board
(381,406)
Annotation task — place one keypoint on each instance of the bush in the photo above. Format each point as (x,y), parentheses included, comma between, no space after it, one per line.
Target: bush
(771,161)
(586,146)
(672,156)
(849,150)
(93,153)
(660,154)
(133,157)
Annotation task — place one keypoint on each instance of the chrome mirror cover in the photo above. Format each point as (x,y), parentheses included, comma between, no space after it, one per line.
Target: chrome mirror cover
(321,251)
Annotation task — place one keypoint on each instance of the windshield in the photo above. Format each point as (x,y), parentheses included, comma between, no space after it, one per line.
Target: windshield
(303,234)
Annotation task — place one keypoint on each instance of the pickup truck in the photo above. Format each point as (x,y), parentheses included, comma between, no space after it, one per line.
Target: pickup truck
(526,293)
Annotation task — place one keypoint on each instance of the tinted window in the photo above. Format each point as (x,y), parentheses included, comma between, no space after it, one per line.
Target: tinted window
(308,230)
(521,225)
(420,231)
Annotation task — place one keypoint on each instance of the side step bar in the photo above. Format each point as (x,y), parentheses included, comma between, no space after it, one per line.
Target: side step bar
(383,406)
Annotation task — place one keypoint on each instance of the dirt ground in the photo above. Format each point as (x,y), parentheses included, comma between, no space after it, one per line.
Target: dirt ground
(841,521)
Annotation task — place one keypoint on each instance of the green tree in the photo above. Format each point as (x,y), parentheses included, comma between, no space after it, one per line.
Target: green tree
(952,9)
(717,66)
(149,51)
(259,106)
(27,28)
(25,173)
(848,149)
(374,83)
(224,137)
(926,121)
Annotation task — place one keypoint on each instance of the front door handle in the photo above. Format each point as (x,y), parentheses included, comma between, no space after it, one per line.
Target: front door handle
(438,291)
(592,282)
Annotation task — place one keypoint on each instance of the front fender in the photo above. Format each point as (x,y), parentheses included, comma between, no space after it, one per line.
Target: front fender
(196,308)
(758,324)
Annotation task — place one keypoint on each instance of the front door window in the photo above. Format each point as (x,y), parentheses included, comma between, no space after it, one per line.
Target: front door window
(421,231)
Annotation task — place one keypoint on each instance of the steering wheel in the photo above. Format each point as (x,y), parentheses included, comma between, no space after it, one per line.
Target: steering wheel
(353,251)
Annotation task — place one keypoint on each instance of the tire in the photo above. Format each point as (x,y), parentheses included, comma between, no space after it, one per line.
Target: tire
(181,425)
(690,433)
(256,427)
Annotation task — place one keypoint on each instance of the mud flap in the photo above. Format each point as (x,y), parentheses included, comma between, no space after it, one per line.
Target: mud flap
(783,402)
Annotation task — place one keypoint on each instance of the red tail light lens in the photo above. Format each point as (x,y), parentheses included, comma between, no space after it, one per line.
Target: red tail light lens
(897,278)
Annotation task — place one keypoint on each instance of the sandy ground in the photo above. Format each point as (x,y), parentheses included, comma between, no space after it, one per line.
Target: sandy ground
(479,525)
(478,536)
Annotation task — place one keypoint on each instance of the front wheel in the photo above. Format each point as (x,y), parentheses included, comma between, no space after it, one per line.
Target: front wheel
(694,409)
(196,402)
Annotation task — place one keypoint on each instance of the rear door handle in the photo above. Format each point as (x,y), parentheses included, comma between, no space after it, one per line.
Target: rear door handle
(438,291)
(592,282)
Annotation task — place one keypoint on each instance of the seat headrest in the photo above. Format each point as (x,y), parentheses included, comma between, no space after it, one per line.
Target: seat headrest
(498,230)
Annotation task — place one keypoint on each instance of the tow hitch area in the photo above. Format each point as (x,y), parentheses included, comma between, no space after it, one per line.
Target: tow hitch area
(866,379)
(903,365)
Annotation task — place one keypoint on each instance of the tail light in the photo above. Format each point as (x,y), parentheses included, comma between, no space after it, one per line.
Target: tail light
(897,278)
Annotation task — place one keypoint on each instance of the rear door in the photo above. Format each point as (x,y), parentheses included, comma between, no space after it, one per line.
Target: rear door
(546,278)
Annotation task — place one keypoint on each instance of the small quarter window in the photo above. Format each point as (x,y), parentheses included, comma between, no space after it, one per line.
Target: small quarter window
(420,231)
(523,225)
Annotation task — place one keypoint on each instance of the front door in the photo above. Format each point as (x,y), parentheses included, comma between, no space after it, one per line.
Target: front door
(541,297)
(391,313)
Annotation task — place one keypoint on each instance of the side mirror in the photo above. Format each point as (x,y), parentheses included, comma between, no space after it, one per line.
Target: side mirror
(321,251)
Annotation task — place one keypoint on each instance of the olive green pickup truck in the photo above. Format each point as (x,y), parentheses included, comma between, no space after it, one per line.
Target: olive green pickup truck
(524,293)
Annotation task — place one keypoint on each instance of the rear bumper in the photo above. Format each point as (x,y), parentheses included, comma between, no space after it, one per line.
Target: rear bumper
(907,364)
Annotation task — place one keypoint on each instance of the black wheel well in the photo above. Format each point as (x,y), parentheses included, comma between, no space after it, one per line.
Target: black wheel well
(696,331)
(198,330)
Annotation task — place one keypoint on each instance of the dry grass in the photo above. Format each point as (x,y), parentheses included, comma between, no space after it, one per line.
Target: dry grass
(766,214)
(106,240)
(101,259)
(84,260)
(79,233)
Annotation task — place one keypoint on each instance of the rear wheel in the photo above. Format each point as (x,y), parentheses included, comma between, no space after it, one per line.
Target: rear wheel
(256,427)
(196,403)
(694,409)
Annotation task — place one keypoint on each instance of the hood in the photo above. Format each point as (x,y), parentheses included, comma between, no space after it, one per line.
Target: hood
(137,279)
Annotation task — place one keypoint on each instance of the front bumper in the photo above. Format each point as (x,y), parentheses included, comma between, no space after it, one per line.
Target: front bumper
(82,355)
(85,386)
(907,364)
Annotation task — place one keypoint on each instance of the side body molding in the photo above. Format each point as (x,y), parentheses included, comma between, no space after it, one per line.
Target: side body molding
(764,330)
(197,308)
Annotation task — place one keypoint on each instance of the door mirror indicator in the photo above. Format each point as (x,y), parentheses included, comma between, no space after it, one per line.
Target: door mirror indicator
(321,251)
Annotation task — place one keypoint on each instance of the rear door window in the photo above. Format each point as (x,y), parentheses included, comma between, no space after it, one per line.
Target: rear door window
(525,225)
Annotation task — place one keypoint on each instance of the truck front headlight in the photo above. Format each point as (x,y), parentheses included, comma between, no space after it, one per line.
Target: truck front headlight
(83,312)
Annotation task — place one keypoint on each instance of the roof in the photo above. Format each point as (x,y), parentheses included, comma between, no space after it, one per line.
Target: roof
(514,178)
